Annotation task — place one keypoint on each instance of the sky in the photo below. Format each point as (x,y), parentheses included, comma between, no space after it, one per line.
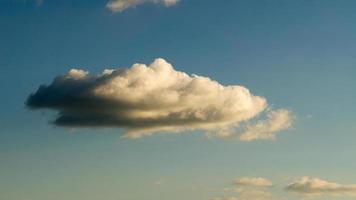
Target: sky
(230,100)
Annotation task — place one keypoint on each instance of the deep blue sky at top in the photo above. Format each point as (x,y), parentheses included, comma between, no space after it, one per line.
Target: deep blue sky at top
(298,54)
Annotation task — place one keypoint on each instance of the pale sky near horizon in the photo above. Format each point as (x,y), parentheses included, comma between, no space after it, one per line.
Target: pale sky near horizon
(297,54)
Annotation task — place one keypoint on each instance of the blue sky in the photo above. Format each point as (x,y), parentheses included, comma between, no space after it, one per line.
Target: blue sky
(299,55)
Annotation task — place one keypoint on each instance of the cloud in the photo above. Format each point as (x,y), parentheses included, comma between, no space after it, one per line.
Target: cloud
(251,181)
(120,5)
(148,99)
(316,186)
(276,121)
(250,188)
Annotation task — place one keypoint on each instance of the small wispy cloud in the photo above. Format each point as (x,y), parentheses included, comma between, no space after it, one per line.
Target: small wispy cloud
(253,181)
(317,186)
(120,5)
(277,120)
(262,129)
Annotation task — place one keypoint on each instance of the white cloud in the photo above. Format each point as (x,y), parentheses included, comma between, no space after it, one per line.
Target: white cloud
(252,181)
(249,188)
(148,99)
(316,186)
(120,5)
(263,129)
(277,120)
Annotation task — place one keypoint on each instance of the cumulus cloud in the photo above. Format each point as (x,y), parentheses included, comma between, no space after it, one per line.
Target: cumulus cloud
(120,5)
(252,181)
(149,99)
(316,186)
